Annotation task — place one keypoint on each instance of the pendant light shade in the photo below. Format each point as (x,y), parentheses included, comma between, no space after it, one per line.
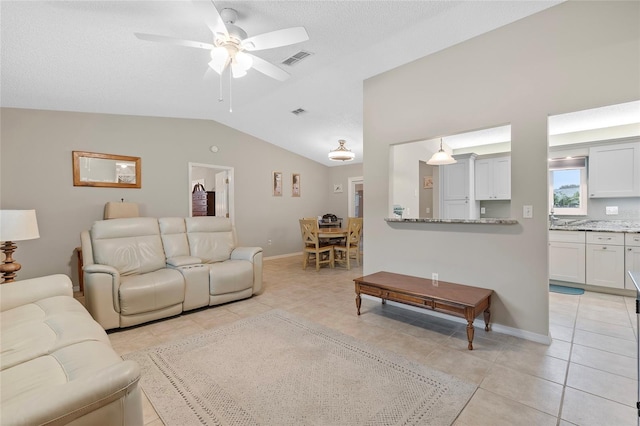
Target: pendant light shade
(441,157)
(341,153)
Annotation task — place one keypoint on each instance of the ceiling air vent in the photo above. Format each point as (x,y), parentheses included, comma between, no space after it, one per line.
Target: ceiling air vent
(294,59)
(298,111)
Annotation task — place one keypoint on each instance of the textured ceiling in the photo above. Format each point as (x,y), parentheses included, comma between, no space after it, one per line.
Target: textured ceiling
(83,56)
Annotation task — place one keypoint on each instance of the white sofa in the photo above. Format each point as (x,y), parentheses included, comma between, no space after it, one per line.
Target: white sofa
(57,365)
(142,269)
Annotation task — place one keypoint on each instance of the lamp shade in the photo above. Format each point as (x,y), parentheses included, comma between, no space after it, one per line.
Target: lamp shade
(441,158)
(18,225)
(341,153)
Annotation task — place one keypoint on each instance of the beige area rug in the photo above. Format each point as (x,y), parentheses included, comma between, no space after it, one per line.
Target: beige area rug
(277,369)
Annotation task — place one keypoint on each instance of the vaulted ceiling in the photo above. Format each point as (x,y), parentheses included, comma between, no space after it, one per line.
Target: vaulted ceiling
(83,56)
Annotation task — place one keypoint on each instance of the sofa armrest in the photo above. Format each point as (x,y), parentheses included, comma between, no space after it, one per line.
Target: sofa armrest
(80,397)
(20,293)
(178,261)
(245,253)
(101,294)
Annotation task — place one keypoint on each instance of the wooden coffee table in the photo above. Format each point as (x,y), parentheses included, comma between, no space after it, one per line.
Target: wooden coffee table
(455,299)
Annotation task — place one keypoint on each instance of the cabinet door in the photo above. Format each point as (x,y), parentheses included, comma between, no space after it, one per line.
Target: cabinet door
(605,265)
(456,180)
(614,170)
(456,209)
(484,179)
(567,262)
(502,178)
(631,263)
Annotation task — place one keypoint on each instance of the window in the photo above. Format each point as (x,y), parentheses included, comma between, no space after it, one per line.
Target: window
(568,186)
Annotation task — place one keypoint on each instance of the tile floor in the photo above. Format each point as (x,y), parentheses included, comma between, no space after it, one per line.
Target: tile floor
(587,376)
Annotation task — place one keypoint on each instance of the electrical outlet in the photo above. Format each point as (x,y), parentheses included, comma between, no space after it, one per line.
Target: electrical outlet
(268,242)
(527,212)
(611,210)
(428,210)
(483,210)
(434,279)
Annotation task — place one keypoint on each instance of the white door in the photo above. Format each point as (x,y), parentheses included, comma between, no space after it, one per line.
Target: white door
(222,194)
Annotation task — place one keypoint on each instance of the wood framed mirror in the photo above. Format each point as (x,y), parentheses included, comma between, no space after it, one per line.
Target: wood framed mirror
(106,170)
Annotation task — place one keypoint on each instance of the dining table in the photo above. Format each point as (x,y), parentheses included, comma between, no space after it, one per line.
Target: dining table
(332,233)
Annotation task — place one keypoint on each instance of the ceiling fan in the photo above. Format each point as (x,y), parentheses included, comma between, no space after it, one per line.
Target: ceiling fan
(231,46)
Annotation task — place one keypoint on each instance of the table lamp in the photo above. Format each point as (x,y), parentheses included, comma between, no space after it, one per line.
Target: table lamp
(15,225)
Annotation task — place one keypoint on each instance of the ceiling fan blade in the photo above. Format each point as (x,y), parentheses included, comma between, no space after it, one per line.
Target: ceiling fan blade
(277,38)
(211,16)
(173,41)
(268,69)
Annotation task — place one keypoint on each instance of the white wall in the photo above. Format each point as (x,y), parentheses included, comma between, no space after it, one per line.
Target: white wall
(36,173)
(571,57)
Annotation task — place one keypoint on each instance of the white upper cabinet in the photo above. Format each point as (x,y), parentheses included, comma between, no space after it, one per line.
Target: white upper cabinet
(493,178)
(614,170)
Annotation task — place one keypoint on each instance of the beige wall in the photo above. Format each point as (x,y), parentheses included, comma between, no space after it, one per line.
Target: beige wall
(36,173)
(573,56)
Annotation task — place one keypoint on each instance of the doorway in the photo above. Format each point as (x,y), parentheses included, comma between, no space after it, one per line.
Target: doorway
(356,196)
(216,179)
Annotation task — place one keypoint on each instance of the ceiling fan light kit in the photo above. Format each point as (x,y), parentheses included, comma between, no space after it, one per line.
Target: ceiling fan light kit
(231,44)
(441,157)
(341,153)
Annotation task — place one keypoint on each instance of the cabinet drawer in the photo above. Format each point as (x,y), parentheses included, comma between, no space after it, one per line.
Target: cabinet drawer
(567,236)
(200,195)
(632,240)
(199,203)
(611,238)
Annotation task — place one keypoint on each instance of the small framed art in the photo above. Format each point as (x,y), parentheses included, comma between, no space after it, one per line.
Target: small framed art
(277,184)
(295,184)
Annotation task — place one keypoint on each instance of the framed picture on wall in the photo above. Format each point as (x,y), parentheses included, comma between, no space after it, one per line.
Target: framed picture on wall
(295,184)
(428,182)
(277,184)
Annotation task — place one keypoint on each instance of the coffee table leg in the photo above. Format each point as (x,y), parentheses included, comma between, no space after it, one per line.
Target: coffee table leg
(358,301)
(487,318)
(470,332)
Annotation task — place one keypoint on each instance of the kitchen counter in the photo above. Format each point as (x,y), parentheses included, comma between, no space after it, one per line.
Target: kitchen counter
(631,226)
(487,221)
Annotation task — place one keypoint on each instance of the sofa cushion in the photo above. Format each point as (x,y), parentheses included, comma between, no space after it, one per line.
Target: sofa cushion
(151,291)
(132,246)
(211,238)
(43,327)
(174,237)
(230,276)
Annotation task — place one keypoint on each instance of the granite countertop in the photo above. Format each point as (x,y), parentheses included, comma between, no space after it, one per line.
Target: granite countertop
(597,225)
(468,221)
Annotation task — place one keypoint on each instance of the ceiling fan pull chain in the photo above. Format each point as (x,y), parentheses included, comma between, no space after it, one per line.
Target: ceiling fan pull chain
(220,99)
(230,98)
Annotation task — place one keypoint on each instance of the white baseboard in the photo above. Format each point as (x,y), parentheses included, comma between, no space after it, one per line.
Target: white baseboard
(498,328)
(280,256)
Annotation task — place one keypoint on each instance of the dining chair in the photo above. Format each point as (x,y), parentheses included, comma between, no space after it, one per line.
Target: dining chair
(351,246)
(323,254)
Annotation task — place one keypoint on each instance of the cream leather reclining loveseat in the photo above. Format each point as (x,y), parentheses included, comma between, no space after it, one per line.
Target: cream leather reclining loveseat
(57,365)
(142,269)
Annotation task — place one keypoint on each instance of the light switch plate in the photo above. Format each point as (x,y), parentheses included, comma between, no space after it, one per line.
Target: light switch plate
(527,212)
(611,210)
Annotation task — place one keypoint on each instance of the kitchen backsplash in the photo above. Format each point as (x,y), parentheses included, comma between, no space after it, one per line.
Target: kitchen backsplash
(628,209)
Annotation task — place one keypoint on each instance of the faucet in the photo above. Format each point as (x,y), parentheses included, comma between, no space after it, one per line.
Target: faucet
(552,218)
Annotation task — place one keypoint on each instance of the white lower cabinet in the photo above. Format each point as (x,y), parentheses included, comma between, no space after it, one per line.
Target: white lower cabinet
(605,259)
(594,258)
(567,256)
(632,258)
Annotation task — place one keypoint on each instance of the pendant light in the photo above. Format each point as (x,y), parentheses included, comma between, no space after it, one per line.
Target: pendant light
(341,153)
(441,157)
